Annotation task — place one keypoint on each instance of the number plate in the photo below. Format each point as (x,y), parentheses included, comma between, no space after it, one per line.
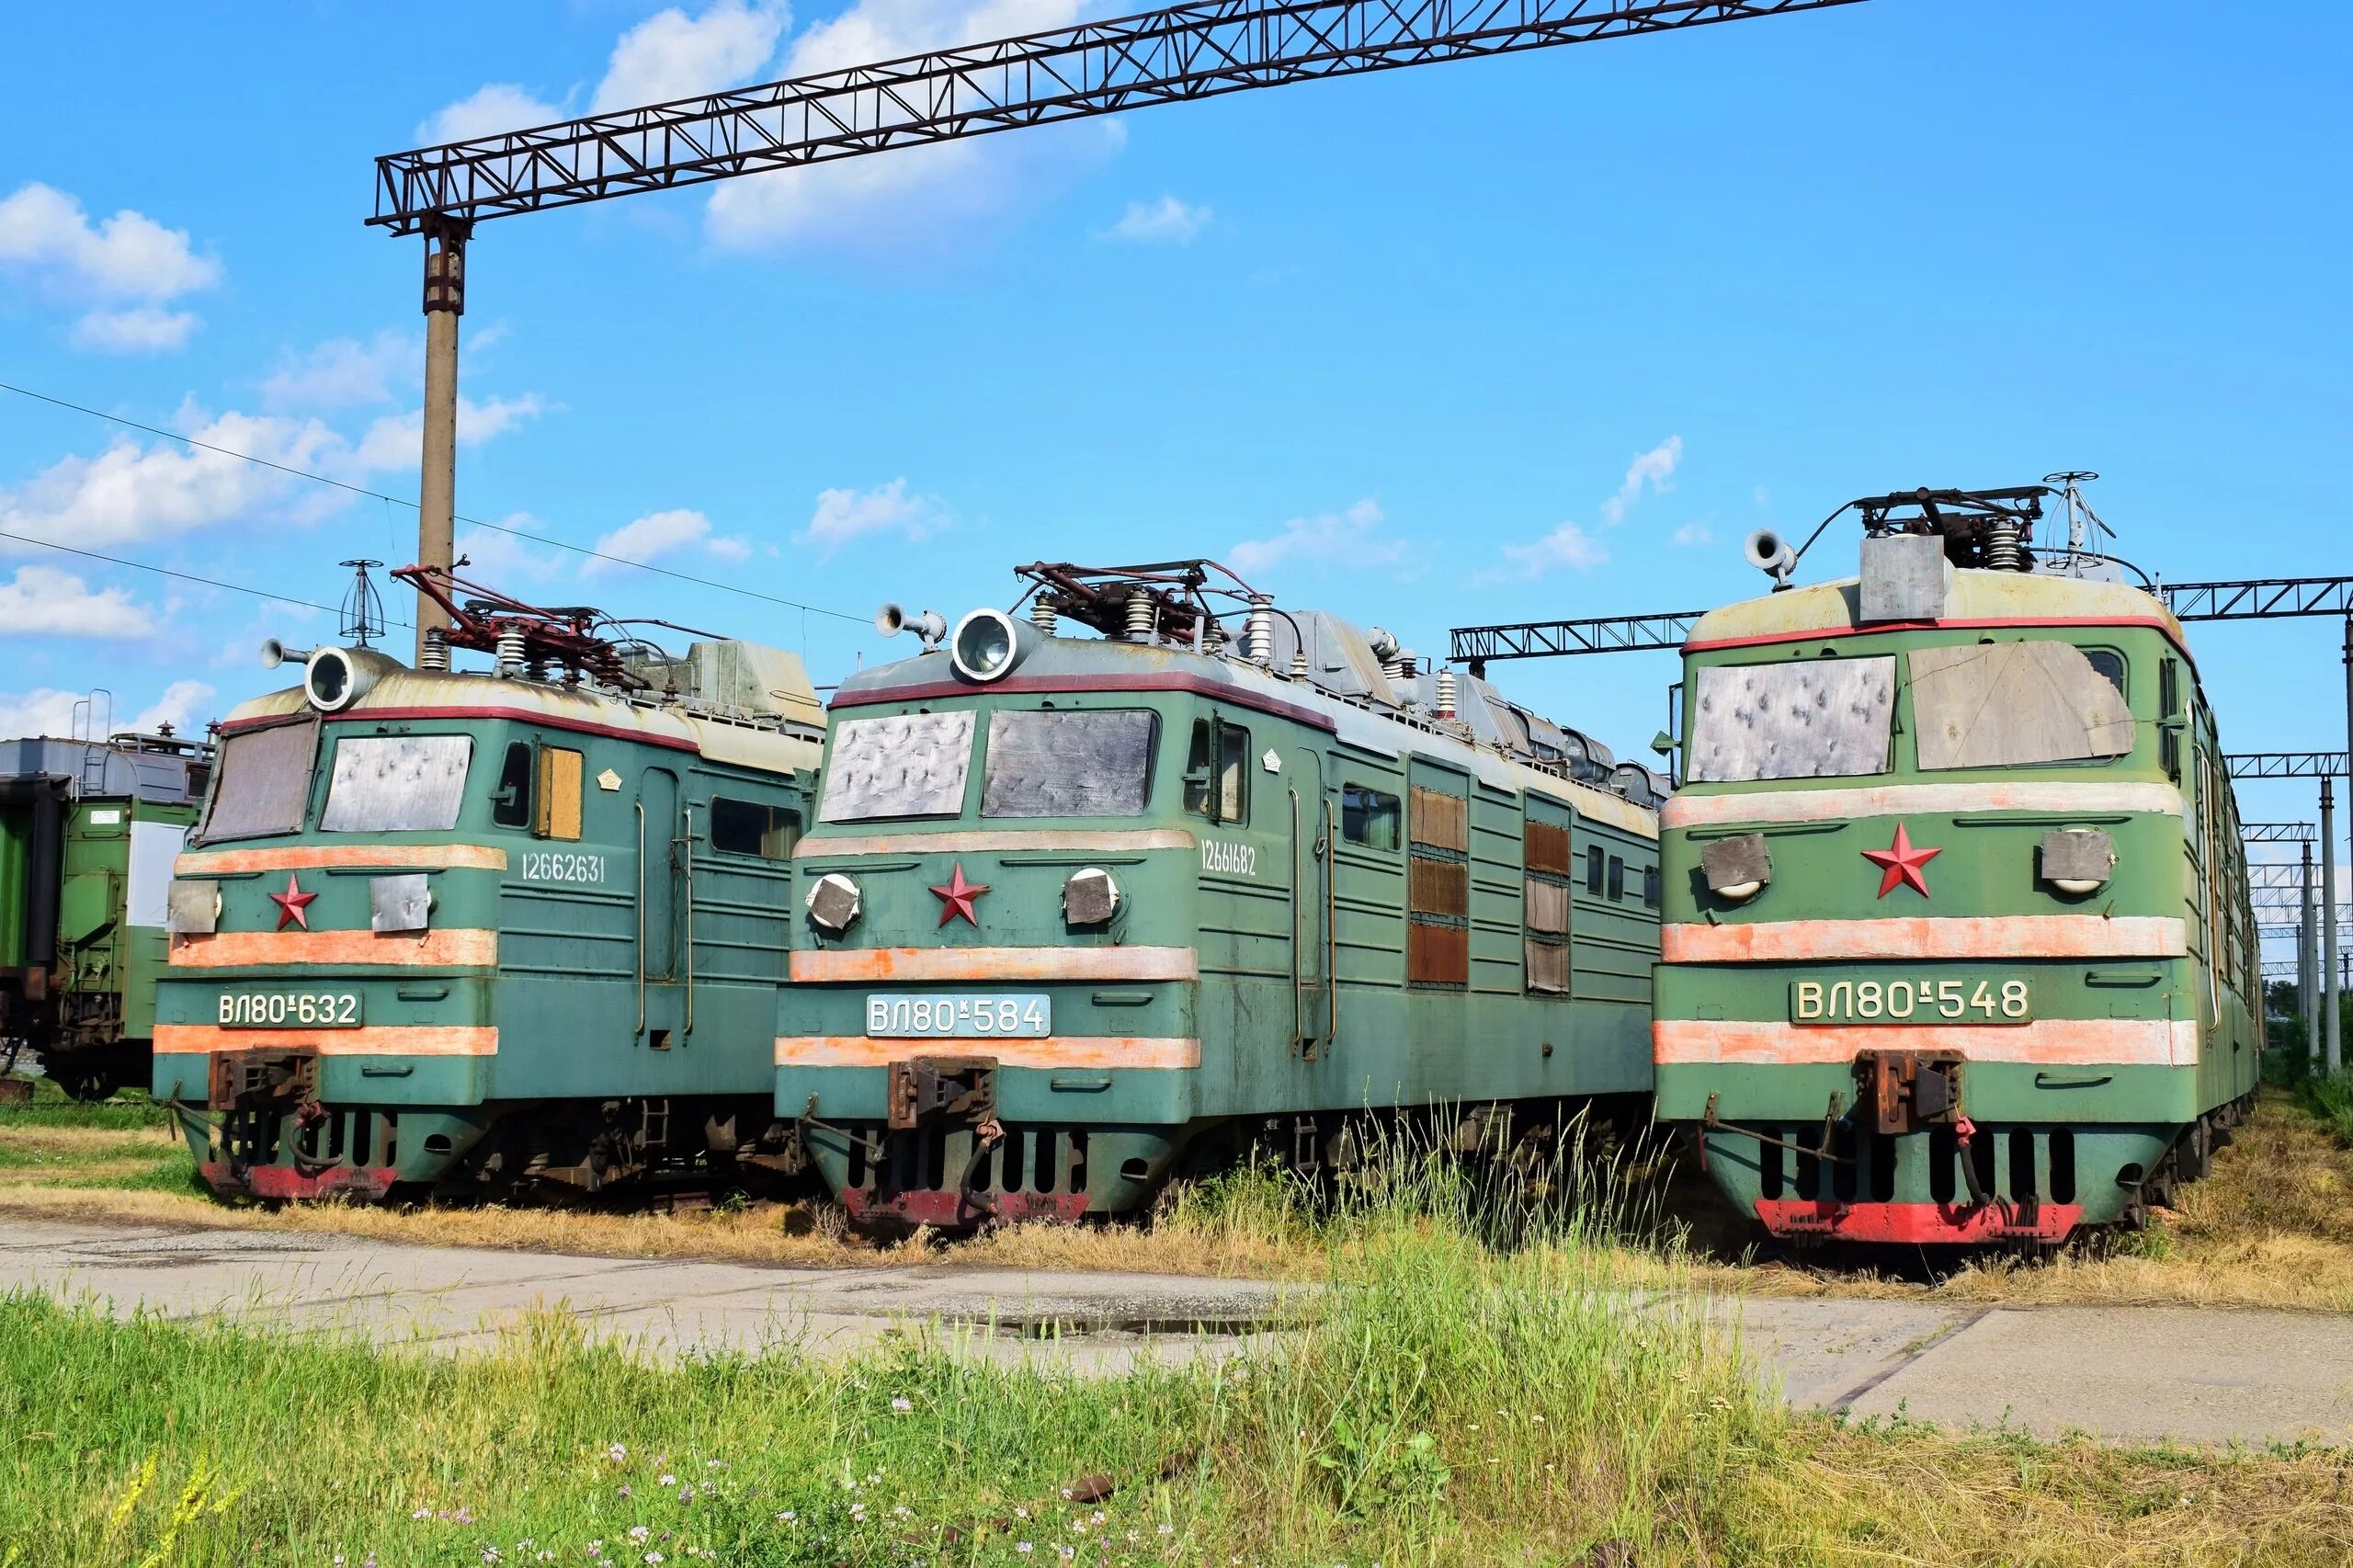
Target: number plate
(960,1016)
(290,1010)
(1977,999)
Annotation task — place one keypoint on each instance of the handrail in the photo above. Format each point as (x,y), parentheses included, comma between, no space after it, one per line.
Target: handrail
(1298,1030)
(686,848)
(1331,931)
(641,918)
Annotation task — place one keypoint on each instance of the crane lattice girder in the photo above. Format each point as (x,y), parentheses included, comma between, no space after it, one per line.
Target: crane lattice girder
(2279,833)
(1170,56)
(2286,764)
(2249,599)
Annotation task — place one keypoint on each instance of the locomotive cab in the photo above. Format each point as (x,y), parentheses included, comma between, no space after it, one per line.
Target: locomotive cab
(467,931)
(1083,911)
(1958,946)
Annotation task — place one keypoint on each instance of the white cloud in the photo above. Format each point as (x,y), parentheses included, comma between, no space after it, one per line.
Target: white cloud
(671,56)
(664,533)
(141,329)
(1762,496)
(495,555)
(130,493)
(1164,222)
(1691,536)
(845,514)
(44,601)
(914,195)
(493,108)
(48,711)
(126,260)
(181,702)
(1351,537)
(342,372)
(394,442)
(1567,545)
(1654,468)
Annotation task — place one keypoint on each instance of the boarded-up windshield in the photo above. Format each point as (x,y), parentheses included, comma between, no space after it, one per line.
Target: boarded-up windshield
(1799,718)
(265,782)
(396,784)
(2007,704)
(1067,764)
(909,764)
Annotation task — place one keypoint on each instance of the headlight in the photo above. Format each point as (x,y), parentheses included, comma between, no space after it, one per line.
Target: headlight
(1090,897)
(988,643)
(833,902)
(334,680)
(1737,868)
(2078,860)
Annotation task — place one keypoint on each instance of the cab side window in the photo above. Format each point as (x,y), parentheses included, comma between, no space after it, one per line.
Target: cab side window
(749,827)
(1369,817)
(510,802)
(1217,771)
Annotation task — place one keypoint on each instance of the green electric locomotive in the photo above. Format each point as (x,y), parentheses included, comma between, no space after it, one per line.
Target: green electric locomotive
(87,832)
(1958,945)
(521,929)
(1083,911)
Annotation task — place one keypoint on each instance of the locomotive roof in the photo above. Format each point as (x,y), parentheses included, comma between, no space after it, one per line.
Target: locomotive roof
(1088,665)
(457,693)
(1974,598)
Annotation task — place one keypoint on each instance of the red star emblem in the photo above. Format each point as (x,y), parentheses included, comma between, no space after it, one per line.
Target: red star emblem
(292,903)
(956,897)
(1902,864)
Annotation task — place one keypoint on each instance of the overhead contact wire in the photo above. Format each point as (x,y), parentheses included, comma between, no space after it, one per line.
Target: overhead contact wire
(183,576)
(400,501)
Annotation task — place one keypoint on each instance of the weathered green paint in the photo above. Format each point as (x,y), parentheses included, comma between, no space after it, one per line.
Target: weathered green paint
(2121,1117)
(1309,942)
(587,1010)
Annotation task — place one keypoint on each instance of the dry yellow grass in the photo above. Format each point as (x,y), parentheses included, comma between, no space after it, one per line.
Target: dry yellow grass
(2272,1227)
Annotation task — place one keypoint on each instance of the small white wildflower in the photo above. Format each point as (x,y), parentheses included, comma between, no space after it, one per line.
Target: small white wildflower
(669,1481)
(420,1513)
(902,1405)
(1068,1553)
(618,1452)
(1023,1548)
(788,1515)
(1538,1419)
(654,1557)
(1096,1517)
(639,1532)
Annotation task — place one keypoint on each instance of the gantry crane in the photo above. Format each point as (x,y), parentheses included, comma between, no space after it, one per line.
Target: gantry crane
(1159,57)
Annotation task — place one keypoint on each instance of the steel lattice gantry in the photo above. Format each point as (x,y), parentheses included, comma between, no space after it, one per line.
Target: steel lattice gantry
(1171,56)
(2251,600)
(2286,764)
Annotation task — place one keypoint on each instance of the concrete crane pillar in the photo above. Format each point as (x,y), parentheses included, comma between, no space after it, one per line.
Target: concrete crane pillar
(437,484)
(2308,965)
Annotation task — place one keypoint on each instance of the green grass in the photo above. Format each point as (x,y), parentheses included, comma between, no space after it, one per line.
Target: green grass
(126,1112)
(1453,1402)
(2331,1101)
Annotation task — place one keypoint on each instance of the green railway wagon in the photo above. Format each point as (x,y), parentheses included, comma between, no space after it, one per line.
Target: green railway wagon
(1957,944)
(87,832)
(1161,873)
(489,931)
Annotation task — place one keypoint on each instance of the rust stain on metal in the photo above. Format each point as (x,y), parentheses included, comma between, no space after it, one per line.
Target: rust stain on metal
(1017,840)
(306,857)
(368,1039)
(1052,1051)
(2051,1042)
(1924,800)
(430,950)
(1927,937)
(873,965)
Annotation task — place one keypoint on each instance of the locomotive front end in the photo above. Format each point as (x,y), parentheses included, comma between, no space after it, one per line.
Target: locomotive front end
(1958,946)
(992,1014)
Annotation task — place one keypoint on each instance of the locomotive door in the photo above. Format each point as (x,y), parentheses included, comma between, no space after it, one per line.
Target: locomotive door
(1312,820)
(660,1011)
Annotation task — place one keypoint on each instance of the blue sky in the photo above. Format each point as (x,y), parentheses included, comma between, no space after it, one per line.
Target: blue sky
(1404,345)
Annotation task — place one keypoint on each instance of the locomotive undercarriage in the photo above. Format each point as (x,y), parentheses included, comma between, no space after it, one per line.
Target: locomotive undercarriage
(267,1137)
(967,1170)
(2026,1183)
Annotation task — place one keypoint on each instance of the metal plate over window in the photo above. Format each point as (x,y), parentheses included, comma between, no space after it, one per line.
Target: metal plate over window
(398,904)
(265,782)
(1067,764)
(2007,704)
(1797,718)
(396,783)
(908,764)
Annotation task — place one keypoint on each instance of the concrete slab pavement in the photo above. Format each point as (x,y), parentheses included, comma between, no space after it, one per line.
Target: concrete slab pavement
(2133,1374)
